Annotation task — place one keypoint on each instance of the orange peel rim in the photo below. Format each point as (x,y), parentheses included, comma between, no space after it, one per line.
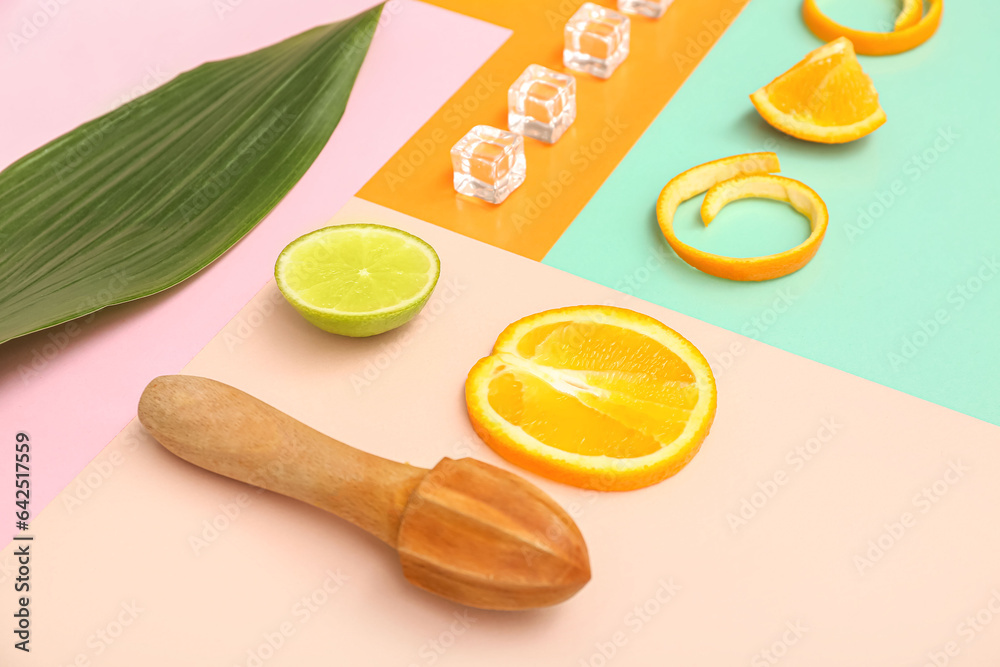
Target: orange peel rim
(869,43)
(730,179)
(910,15)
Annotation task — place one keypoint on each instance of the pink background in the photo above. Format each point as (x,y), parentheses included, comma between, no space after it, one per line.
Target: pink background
(91,56)
(120,538)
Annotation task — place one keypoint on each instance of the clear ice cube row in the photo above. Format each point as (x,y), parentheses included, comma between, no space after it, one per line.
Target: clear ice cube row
(488,162)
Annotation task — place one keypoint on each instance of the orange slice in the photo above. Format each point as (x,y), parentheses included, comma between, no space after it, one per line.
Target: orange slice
(825,98)
(908,34)
(594,396)
(730,179)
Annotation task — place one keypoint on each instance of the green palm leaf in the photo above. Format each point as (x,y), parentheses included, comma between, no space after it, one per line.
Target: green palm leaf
(138,200)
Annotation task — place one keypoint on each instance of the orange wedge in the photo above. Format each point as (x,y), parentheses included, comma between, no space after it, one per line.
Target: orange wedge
(825,98)
(730,179)
(594,396)
(909,33)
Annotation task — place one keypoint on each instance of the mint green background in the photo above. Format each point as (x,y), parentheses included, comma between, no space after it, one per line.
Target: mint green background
(868,291)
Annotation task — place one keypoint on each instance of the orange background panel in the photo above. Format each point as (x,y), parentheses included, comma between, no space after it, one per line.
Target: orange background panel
(611,115)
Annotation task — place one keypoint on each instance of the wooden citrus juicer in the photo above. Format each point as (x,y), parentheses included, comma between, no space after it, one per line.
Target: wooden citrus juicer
(465,530)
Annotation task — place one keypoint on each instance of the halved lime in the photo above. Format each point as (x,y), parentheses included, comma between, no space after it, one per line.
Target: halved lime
(358,279)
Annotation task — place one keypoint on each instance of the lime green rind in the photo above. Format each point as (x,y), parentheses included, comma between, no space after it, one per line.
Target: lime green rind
(361,326)
(142,198)
(297,290)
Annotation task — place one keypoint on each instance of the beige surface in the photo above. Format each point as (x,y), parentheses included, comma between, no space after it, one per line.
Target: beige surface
(125,560)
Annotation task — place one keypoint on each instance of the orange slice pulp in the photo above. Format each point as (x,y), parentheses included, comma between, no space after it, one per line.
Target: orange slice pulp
(825,98)
(594,396)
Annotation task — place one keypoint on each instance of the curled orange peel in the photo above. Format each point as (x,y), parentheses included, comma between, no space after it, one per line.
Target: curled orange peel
(908,34)
(910,15)
(731,179)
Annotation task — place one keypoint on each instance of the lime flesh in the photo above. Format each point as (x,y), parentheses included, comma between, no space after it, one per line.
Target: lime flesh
(358,279)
